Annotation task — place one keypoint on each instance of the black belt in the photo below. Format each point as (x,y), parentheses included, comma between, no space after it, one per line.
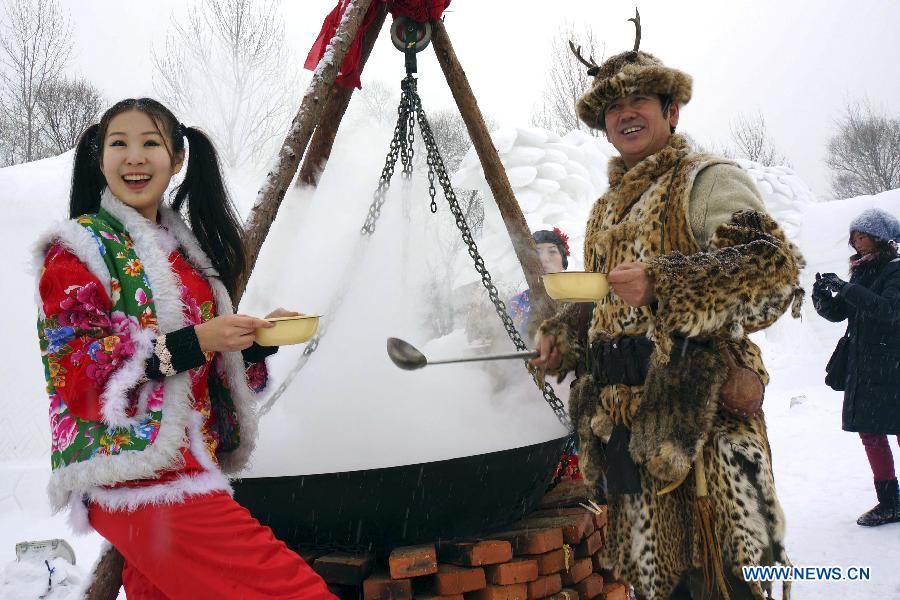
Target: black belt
(624,360)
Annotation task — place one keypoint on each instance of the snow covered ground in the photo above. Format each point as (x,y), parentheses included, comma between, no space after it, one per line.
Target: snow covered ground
(821,473)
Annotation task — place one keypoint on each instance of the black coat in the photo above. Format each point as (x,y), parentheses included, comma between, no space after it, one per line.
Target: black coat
(871,304)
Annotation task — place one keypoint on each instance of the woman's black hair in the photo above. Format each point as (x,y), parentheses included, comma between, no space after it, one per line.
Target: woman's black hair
(210,212)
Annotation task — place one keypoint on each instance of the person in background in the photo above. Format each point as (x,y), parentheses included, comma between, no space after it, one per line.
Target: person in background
(553,250)
(870,302)
(151,376)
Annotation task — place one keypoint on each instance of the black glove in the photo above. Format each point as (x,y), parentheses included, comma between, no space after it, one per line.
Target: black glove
(829,282)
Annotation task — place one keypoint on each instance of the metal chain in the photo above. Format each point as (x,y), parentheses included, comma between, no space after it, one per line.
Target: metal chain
(408,112)
(436,168)
(400,147)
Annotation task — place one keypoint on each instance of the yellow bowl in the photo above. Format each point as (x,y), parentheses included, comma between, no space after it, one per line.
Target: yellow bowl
(576,286)
(288,330)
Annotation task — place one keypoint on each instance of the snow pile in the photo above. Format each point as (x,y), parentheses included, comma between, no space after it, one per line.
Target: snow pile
(555,180)
(786,195)
(56,579)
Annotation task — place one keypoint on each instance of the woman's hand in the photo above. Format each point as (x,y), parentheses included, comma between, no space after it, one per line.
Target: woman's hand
(229,333)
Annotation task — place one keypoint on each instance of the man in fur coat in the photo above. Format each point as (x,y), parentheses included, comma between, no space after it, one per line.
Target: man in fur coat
(695,264)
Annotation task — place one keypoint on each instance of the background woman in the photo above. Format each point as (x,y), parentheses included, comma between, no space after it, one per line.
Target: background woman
(870,302)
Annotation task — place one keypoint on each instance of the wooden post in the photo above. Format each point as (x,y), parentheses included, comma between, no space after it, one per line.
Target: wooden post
(107,577)
(320,145)
(279,178)
(523,244)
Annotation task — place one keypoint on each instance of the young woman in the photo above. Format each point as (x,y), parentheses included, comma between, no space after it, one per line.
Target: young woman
(151,376)
(870,302)
(553,250)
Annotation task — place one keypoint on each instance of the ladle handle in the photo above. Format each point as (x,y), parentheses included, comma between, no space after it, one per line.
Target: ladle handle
(524,354)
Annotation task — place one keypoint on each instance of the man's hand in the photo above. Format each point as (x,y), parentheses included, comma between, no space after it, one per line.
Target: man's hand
(550,357)
(229,333)
(632,284)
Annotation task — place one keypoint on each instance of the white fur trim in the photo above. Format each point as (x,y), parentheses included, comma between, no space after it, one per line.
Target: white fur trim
(232,362)
(78,516)
(171,492)
(164,284)
(108,470)
(77,240)
(115,399)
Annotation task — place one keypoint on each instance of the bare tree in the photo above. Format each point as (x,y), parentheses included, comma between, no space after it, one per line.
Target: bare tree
(67,107)
(751,141)
(34,48)
(227,71)
(864,153)
(567,80)
(377,102)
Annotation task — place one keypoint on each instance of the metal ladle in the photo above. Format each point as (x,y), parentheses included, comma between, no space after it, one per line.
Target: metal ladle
(407,357)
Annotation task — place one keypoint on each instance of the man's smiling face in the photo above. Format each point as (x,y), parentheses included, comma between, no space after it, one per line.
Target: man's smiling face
(637,127)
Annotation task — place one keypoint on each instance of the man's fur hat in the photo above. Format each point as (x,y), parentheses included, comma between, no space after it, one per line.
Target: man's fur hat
(631,72)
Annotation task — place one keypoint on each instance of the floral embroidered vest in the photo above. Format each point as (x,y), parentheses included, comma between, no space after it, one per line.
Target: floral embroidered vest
(143,426)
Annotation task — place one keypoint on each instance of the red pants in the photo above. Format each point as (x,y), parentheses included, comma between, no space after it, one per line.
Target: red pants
(878,451)
(205,547)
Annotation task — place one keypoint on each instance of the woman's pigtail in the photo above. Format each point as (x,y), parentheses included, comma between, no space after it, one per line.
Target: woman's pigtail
(211,213)
(87,179)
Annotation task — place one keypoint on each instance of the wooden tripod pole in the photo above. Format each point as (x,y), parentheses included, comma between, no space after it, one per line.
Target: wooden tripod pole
(322,141)
(523,244)
(311,107)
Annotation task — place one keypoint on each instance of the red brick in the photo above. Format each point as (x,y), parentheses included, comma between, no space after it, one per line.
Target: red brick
(516,571)
(602,517)
(343,568)
(565,594)
(544,586)
(590,546)
(413,561)
(569,492)
(577,571)
(550,562)
(382,587)
(450,580)
(590,587)
(615,591)
(516,591)
(532,541)
(558,512)
(433,597)
(574,527)
(475,554)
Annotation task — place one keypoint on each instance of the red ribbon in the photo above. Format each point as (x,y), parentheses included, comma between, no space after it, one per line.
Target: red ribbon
(348,75)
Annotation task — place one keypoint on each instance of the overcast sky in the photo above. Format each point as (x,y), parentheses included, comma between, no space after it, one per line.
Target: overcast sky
(797,62)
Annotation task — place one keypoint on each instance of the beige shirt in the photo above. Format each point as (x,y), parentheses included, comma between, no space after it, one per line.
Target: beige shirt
(719,191)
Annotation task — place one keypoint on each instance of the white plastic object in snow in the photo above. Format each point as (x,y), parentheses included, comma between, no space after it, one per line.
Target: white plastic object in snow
(44,550)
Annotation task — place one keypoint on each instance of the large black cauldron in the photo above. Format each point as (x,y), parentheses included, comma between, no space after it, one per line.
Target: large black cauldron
(395,506)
